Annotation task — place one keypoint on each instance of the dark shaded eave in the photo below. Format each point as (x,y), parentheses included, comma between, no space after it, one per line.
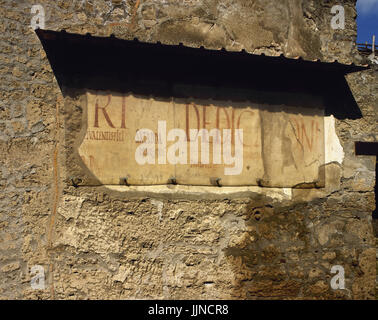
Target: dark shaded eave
(298,62)
(109,63)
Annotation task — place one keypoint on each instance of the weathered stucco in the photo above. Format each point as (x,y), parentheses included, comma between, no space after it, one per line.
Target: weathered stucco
(111,146)
(184,242)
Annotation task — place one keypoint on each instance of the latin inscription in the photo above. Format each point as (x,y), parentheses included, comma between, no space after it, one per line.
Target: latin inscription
(151,141)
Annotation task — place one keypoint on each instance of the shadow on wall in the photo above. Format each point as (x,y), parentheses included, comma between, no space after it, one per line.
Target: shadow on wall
(85,62)
(370,149)
(164,71)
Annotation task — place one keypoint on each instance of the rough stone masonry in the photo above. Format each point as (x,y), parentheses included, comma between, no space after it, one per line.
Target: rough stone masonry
(175,241)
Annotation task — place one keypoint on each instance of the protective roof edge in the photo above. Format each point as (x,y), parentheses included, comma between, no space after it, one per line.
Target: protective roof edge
(44,34)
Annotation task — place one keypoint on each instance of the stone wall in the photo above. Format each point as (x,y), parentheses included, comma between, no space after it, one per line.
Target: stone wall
(178,242)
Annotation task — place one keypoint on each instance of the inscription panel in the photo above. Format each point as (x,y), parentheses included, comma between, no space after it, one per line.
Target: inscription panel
(192,142)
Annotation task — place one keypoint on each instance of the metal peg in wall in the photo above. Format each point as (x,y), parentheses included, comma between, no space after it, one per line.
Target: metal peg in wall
(216,181)
(123,181)
(172,180)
